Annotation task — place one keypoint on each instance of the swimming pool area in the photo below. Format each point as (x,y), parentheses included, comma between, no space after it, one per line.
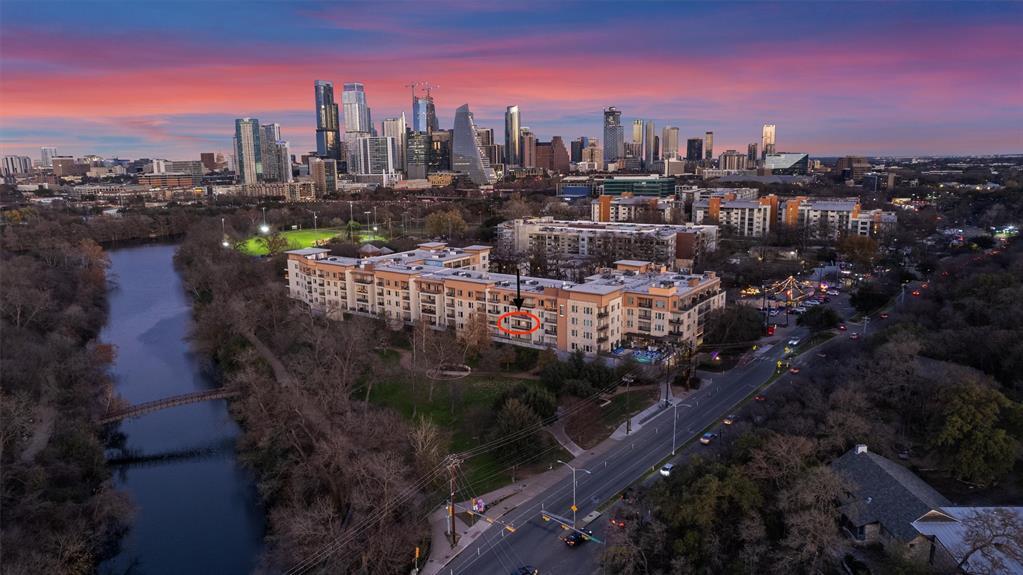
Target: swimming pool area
(644,356)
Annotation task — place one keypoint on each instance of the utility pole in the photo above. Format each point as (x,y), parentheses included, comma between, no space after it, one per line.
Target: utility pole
(453,463)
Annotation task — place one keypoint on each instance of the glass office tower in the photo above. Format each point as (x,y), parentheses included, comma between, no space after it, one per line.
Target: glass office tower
(467,155)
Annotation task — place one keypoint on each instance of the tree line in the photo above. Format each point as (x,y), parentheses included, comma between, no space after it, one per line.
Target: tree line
(61,513)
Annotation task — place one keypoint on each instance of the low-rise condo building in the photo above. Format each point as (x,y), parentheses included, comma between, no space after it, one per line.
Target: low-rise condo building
(676,246)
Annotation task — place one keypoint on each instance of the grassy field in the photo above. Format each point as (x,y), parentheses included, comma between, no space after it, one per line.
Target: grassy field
(464,410)
(305,239)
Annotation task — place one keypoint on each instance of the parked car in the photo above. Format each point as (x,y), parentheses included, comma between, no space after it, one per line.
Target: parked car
(793,370)
(666,470)
(832,292)
(799,309)
(576,537)
(794,342)
(706,438)
(841,327)
(759,398)
(884,315)
(916,292)
(854,336)
(729,419)
(526,570)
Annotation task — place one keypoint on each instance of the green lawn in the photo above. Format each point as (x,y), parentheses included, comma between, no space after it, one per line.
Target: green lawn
(296,238)
(465,418)
(306,239)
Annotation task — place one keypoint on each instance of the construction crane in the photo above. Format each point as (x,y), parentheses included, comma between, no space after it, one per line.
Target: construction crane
(427,87)
(412,85)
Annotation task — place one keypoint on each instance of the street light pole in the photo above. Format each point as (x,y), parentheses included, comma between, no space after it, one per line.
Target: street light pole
(574,508)
(674,427)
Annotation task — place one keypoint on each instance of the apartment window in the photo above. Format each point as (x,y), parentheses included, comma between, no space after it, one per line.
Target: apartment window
(575,309)
(561,310)
(575,333)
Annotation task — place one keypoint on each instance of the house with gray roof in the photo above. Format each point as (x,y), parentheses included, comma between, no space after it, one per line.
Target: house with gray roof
(882,501)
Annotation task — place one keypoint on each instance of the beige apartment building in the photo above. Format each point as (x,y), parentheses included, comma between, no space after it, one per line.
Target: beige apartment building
(636,303)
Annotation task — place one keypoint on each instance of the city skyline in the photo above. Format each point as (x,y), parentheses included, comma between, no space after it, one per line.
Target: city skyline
(151,80)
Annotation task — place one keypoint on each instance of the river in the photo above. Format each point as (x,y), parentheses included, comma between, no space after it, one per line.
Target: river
(197,510)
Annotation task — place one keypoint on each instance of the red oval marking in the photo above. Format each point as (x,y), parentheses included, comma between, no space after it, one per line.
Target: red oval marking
(511,314)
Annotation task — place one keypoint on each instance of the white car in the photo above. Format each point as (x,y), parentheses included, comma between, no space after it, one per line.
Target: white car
(812,302)
(666,470)
(799,309)
(794,342)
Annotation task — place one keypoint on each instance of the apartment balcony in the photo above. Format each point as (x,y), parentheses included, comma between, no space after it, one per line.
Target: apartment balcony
(645,315)
(602,339)
(480,298)
(646,305)
(451,314)
(363,281)
(602,315)
(643,327)
(429,299)
(362,300)
(676,321)
(604,327)
(429,310)
(429,290)
(550,331)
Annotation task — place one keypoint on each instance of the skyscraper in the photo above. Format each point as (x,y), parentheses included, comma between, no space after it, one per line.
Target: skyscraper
(248,152)
(694,149)
(275,154)
(669,143)
(46,154)
(527,152)
(376,155)
(424,114)
(559,155)
(512,141)
(751,155)
(708,145)
(328,130)
(637,134)
(397,129)
(439,158)
(467,155)
(578,145)
(767,140)
(356,110)
(614,136)
(417,155)
(649,145)
(269,134)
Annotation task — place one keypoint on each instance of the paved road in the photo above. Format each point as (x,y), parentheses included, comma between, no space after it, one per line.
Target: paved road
(536,542)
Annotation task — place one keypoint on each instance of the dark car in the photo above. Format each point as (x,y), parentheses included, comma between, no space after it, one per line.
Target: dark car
(526,570)
(576,537)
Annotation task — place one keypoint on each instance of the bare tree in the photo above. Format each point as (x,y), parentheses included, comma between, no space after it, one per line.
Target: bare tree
(996,536)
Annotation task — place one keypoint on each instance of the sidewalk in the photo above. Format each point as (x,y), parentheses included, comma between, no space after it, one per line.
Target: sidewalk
(557,430)
(510,497)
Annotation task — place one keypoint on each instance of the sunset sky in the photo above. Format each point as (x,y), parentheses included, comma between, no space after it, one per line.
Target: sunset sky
(166,79)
